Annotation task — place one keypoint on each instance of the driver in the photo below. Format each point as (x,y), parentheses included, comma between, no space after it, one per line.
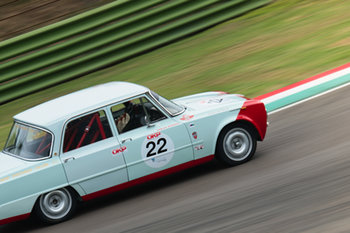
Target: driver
(124,119)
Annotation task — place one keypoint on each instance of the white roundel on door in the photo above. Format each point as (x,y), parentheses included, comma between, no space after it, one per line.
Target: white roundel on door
(157,150)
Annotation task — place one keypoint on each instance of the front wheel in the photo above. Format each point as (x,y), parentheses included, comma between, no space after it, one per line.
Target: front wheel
(55,206)
(236,145)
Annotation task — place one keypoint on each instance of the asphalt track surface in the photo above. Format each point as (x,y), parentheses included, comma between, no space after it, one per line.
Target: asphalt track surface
(297,182)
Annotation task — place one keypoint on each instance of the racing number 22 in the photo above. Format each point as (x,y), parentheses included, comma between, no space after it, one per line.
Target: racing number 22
(161,142)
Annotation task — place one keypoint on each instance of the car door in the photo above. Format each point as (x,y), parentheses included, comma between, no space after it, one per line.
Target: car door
(152,141)
(91,153)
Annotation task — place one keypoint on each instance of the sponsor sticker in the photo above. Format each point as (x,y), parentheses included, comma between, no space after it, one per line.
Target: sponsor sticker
(186,117)
(155,135)
(118,150)
(194,135)
(200,147)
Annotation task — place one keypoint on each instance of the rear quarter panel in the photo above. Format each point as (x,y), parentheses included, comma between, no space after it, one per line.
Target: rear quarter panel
(20,190)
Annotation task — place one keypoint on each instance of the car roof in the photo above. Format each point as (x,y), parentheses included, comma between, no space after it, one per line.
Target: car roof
(68,106)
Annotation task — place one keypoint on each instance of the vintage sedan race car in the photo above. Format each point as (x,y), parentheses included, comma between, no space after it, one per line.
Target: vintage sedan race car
(109,137)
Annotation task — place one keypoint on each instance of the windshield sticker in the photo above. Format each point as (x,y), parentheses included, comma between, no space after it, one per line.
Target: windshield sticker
(186,117)
(157,150)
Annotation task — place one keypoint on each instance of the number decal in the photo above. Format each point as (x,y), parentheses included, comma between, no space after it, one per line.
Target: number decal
(150,152)
(161,150)
(157,150)
(153,146)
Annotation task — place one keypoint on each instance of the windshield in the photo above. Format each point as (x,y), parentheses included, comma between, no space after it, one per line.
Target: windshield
(173,108)
(28,142)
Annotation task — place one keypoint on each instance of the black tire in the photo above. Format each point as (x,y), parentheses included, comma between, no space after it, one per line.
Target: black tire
(236,145)
(55,206)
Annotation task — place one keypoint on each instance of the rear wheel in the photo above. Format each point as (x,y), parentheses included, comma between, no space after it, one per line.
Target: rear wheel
(236,145)
(55,206)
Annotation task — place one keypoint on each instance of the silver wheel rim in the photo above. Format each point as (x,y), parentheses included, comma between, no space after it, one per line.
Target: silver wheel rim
(56,204)
(238,144)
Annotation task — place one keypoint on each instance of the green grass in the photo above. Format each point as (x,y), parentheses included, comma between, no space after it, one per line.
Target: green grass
(266,49)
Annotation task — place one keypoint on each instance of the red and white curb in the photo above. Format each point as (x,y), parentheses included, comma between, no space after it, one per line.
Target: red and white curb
(306,89)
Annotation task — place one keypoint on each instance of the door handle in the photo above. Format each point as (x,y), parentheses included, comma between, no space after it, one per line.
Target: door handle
(69,159)
(126,139)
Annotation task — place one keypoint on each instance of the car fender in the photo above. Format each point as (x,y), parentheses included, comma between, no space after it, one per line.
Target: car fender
(227,119)
(252,111)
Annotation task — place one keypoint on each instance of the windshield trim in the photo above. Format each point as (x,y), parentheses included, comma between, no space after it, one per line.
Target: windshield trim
(35,127)
(164,108)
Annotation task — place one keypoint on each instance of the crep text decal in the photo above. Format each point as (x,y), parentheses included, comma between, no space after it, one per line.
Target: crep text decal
(119,150)
(151,136)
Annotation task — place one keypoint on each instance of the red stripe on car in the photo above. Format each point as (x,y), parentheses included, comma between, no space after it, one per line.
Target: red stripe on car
(15,218)
(148,178)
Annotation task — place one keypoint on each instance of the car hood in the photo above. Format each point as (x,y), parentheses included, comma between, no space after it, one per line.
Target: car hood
(211,100)
(10,165)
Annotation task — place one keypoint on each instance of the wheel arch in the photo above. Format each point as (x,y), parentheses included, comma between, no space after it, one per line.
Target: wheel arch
(70,188)
(75,193)
(243,123)
(44,215)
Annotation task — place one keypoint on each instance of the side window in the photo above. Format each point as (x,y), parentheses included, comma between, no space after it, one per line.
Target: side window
(153,113)
(134,114)
(86,130)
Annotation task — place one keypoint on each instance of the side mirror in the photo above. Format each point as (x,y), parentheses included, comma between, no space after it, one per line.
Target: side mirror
(148,122)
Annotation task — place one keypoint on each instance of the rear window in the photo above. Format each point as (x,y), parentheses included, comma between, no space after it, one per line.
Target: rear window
(28,142)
